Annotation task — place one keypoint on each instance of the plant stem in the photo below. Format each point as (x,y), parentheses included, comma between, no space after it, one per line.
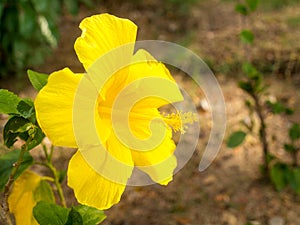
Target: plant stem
(56,182)
(10,181)
(262,133)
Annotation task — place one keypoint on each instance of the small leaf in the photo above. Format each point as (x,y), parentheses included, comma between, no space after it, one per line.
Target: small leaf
(38,80)
(252,4)
(295,179)
(10,131)
(25,108)
(289,148)
(247,36)
(279,175)
(43,192)
(26,191)
(7,161)
(242,9)
(47,213)
(276,107)
(236,139)
(74,218)
(90,215)
(246,86)
(294,132)
(8,102)
(37,138)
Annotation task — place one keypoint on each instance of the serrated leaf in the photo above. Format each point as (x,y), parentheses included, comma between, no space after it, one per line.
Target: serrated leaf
(26,108)
(242,9)
(7,160)
(10,129)
(74,218)
(279,174)
(38,80)
(47,213)
(294,132)
(252,4)
(90,215)
(247,36)
(8,102)
(236,139)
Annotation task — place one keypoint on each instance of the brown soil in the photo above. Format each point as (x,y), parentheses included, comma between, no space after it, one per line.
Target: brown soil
(231,191)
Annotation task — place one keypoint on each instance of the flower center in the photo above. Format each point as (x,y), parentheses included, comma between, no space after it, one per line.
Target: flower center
(178,121)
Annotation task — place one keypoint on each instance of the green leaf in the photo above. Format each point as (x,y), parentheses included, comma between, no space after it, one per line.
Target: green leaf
(8,102)
(295,179)
(294,132)
(247,36)
(242,9)
(74,218)
(7,160)
(26,108)
(38,80)
(44,192)
(47,213)
(12,129)
(27,20)
(90,215)
(72,6)
(236,139)
(252,4)
(246,86)
(37,138)
(289,148)
(276,107)
(279,175)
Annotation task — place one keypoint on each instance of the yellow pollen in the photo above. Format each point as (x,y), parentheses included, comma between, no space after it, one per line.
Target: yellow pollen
(178,121)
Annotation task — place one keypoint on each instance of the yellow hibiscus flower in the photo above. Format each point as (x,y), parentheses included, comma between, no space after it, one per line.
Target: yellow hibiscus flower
(98,183)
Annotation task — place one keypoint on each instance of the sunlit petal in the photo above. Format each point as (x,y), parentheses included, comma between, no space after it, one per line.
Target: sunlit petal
(101,34)
(54,105)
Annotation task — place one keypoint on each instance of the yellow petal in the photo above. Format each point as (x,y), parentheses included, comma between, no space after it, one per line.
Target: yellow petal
(94,181)
(21,200)
(154,78)
(158,163)
(54,105)
(102,33)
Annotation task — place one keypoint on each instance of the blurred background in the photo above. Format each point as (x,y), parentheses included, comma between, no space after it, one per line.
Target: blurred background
(40,34)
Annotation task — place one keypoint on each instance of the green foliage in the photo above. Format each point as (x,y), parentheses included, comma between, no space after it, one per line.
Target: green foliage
(7,164)
(44,192)
(47,213)
(29,31)
(294,132)
(278,108)
(236,139)
(38,80)
(8,102)
(247,36)
(279,175)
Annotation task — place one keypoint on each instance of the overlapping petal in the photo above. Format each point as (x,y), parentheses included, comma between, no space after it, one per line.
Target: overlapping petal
(54,105)
(95,189)
(101,34)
